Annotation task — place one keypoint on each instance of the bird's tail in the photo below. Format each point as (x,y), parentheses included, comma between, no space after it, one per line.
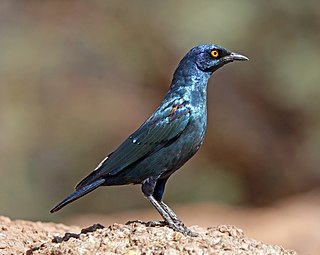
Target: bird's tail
(77,194)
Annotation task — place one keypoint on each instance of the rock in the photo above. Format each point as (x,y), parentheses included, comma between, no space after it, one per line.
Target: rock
(132,239)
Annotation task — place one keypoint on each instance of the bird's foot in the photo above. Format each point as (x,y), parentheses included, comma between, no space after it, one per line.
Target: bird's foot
(180,227)
(176,220)
(152,223)
(175,225)
(156,223)
(173,216)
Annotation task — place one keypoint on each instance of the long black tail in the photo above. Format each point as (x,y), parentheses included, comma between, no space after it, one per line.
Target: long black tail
(77,194)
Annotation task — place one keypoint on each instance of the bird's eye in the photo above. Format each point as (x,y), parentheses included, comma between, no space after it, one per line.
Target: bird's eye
(215,53)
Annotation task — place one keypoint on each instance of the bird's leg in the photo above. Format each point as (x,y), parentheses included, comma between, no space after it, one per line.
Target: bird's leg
(173,216)
(166,216)
(166,213)
(159,208)
(148,188)
(158,193)
(171,213)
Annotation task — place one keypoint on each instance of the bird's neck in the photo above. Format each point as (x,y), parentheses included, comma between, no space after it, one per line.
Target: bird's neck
(189,82)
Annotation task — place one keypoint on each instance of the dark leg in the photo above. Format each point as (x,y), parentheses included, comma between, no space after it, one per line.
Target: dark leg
(158,193)
(148,188)
(172,214)
(159,189)
(162,212)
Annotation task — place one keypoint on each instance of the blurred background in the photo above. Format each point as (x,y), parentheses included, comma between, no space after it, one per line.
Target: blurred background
(77,77)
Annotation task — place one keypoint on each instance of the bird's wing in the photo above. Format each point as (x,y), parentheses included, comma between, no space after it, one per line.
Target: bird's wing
(161,128)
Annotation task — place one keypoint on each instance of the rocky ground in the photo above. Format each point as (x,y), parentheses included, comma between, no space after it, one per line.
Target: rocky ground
(17,236)
(33,238)
(293,223)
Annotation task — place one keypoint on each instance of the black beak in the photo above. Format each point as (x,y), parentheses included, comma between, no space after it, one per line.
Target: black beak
(235,56)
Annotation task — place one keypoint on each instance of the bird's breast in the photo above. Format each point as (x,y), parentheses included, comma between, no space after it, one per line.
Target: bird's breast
(196,129)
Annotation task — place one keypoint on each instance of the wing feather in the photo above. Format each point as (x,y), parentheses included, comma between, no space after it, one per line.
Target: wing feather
(155,133)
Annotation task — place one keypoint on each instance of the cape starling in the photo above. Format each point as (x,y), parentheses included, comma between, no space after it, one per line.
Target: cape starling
(167,139)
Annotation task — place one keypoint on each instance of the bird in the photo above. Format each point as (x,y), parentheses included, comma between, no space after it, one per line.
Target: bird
(166,140)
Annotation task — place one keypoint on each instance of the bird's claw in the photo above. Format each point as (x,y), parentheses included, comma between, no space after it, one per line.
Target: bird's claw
(176,225)
(152,223)
(180,227)
(177,221)
(156,223)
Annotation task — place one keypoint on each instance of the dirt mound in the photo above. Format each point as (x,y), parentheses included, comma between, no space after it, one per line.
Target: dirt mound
(31,238)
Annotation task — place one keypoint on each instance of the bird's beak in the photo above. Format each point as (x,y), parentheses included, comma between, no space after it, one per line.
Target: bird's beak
(235,56)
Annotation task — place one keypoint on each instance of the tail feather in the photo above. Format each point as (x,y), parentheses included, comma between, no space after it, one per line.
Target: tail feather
(77,194)
(87,180)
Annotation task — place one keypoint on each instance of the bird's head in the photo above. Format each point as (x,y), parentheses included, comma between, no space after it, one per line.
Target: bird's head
(210,57)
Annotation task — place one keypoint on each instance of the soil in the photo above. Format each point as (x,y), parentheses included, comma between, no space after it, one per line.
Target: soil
(293,222)
(17,236)
(33,238)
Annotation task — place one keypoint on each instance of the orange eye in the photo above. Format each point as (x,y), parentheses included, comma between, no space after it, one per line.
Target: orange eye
(214,53)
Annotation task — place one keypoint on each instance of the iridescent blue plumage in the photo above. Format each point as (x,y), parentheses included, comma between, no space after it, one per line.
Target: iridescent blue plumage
(167,139)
